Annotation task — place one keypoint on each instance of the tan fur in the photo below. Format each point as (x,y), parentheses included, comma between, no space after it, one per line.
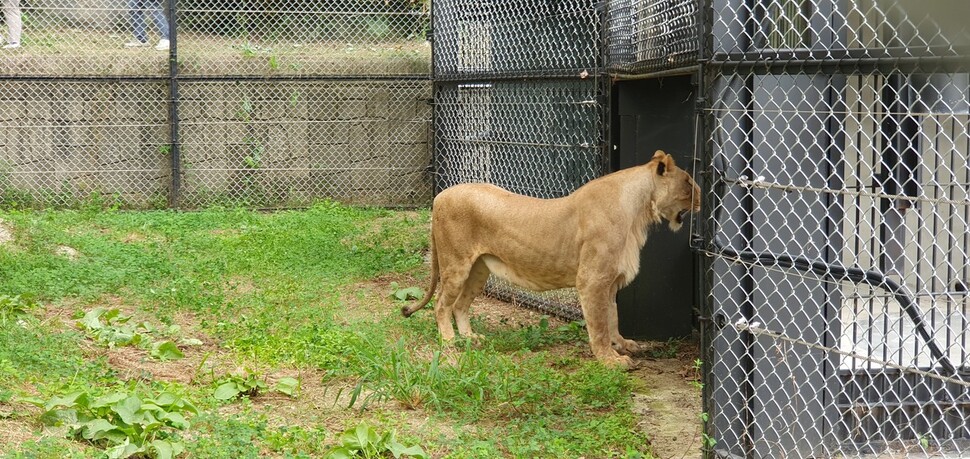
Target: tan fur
(590,240)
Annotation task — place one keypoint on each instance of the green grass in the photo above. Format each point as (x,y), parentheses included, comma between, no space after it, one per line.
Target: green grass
(291,293)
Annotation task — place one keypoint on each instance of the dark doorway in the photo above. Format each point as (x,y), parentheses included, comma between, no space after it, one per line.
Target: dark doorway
(650,115)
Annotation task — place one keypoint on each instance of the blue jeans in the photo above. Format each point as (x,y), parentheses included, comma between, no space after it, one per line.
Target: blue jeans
(137,9)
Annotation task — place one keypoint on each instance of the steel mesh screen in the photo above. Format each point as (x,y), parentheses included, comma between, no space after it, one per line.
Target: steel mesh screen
(652,35)
(836,136)
(539,138)
(344,37)
(252,103)
(519,37)
(519,102)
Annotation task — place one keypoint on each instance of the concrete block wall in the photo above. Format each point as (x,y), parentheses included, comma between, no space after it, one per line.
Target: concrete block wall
(257,143)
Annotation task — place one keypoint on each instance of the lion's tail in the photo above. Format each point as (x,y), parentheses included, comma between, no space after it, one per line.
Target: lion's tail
(408,310)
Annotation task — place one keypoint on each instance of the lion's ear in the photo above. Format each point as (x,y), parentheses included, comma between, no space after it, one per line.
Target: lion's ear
(663,162)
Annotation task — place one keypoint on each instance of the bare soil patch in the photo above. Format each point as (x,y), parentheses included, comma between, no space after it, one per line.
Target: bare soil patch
(669,405)
(6,233)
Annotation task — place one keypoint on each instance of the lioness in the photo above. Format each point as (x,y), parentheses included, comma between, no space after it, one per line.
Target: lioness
(590,240)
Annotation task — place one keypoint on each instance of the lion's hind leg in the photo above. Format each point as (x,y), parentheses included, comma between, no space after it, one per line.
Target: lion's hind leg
(472,287)
(443,312)
(454,276)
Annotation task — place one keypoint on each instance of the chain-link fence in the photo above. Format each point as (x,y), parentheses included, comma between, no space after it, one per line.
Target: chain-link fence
(253,103)
(520,102)
(645,36)
(837,210)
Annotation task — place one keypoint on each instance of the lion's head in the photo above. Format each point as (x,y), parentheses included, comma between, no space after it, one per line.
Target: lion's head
(675,193)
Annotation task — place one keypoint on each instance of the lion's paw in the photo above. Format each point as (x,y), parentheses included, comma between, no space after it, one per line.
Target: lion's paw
(474,337)
(621,361)
(626,346)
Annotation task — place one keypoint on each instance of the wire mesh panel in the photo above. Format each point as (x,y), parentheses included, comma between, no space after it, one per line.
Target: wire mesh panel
(837,225)
(517,37)
(822,29)
(289,143)
(539,138)
(62,143)
(534,138)
(56,37)
(652,35)
(519,102)
(345,37)
(252,103)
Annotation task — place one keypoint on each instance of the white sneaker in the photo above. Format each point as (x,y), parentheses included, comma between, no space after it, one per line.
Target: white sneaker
(11,46)
(136,44)
(162,45)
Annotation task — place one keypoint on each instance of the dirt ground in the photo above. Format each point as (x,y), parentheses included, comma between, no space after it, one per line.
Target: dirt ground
(669,403)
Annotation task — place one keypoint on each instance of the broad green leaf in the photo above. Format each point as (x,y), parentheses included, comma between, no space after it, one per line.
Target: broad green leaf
(149,405)
(114,436)
(166,350)
(148,420)
(116,451)
(108,400)
(128,409)
(413,293)
(175,420)
(177,448)
(74,398)
(92,319)
(366,435)
(163,449)
(350,441)
(340,453)
(226,391)
(122,450)
(187,406)
(113,316)
(36,401)
(94,429)
(191,342)
(59,417)
(399,450)
(288,386)
(166,399)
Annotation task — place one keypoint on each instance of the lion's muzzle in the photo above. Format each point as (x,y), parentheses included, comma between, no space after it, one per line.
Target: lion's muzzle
(681,215)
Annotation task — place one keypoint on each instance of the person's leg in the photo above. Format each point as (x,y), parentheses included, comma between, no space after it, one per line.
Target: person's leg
(136,15)
(158,15)
(11,13)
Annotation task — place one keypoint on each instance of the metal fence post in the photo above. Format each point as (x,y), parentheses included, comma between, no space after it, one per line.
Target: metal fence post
(173,118)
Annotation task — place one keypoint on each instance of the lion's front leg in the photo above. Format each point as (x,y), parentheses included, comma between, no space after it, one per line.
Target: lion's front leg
(620,344)
(596,303)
